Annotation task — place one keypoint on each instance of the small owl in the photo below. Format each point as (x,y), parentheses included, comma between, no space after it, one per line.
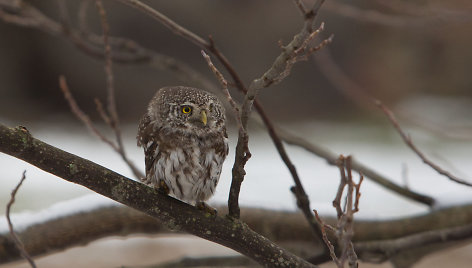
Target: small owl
(184,138)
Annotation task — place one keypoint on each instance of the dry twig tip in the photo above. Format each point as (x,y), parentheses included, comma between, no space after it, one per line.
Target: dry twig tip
(15,238)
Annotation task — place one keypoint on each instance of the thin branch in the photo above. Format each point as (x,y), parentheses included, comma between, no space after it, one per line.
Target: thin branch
(16,239)
(344,230)
(111,102)
(379,251)
(82,15)
(406,138)
(328,243)
(331,158)
(80,114)
(224,85)
(301,7)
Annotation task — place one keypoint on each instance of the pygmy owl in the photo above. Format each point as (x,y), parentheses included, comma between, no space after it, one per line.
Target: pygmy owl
(184,138)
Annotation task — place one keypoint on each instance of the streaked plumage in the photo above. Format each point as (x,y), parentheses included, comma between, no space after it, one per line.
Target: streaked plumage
(184,138)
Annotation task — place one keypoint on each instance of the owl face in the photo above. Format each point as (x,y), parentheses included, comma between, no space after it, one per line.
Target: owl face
(187,109)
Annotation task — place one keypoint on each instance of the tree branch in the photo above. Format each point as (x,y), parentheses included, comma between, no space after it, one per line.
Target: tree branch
(19,245)
(331,158)
(171,212)
(406,138)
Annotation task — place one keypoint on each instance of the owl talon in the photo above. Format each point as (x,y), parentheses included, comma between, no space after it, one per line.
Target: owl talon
(163,188)
(205,208)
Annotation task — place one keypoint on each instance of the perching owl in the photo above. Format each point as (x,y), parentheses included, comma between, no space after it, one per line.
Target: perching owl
(184,138)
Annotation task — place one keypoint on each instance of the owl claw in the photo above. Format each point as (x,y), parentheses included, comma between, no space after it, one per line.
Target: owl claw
(163,188)
(205,208)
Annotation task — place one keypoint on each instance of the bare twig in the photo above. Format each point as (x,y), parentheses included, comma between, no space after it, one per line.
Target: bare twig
(344,230)
(16,239)
(111,103)
(224,85)
(328,243)
(406,138)
(300,6)
(80,114)
(82,15)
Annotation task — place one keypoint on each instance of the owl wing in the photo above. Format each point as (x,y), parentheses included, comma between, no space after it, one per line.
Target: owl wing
(148,139)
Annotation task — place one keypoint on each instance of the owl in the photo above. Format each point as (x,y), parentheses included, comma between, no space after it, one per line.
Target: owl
(183,134)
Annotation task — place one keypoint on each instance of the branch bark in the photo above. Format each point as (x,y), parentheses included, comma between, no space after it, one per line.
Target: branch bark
(174,214)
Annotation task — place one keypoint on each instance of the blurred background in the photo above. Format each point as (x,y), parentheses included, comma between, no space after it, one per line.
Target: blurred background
(397,51)
(415,56)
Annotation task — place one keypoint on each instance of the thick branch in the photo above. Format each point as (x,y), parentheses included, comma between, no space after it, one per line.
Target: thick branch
(171,212)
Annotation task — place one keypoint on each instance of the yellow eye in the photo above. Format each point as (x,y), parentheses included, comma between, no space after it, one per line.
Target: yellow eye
(186,109)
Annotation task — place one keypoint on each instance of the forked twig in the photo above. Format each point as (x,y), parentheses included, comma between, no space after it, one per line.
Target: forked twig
(15,238)
(344,230)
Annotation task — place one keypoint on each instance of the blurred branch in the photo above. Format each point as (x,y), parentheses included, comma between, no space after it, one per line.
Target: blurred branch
(380,251)
(173,213)
(19,245)
(407,139)
(344,84)
(331,158)
(204,262)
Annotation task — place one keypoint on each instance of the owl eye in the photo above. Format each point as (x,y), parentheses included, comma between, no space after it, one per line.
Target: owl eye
(186,109)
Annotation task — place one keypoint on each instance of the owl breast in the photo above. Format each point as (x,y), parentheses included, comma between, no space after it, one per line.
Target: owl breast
(189,166)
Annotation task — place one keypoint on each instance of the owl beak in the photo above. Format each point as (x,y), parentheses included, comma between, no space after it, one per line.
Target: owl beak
(204,117)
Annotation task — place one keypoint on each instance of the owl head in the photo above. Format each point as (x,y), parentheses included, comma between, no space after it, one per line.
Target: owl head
(186,109)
